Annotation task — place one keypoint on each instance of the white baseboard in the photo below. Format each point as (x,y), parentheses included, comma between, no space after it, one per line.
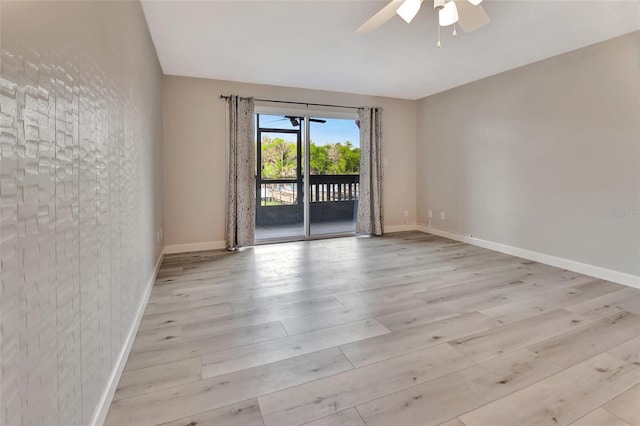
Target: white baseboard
(570,265)
(100,413)
(188,248)
(399,228)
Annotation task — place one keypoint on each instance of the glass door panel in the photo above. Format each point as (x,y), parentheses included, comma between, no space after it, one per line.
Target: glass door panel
(279,178)
(334,180)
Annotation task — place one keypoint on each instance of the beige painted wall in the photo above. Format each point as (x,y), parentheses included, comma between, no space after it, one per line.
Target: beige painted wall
(80,197)
(194,148)
(545,157)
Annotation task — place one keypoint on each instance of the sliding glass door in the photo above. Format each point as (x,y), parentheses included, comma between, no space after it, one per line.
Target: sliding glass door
(300,155)
(279,178)
(334,167)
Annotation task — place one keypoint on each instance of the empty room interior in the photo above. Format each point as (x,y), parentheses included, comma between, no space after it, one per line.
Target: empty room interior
(320,213)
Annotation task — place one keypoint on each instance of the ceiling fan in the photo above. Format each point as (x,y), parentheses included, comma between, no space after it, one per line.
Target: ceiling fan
(295,121)
(466,13)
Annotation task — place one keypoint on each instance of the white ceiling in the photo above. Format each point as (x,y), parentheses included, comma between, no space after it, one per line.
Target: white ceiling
(311,43)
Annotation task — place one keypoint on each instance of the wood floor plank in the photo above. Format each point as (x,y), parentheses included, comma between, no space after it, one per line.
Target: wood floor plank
(447,397)
(422,271)
(497,341)
(174,318)
(179,286)
(181,305)
(478,301)
(434,311)
(418,316)
(346,279)
(584,342)
(258,316)
(326,319)
(602,306)
(151,379)
(628,351)
(156,336)
(583,289)
(414,338)
(397,291)
(158,297)
(554,401)
(246,413)
(224,293)
(452,290)
(286,347)
(295,296)
(553,280)
(525,281)
(317,399)
(626,406)
(631,304)
(600,417)
(161,354)
(452,422)
(348,417)
(182,401)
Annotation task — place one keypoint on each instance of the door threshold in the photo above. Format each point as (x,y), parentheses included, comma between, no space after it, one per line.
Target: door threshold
(266,241)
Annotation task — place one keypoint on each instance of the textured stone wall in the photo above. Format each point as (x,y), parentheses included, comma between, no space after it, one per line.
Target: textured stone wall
(80,200)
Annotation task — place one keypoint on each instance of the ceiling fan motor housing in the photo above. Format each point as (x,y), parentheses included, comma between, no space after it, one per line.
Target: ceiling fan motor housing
(438,4)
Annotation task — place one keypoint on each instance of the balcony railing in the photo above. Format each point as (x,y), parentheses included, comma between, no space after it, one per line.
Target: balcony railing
(278,193)
(332,199)
(322,188)
(325,188)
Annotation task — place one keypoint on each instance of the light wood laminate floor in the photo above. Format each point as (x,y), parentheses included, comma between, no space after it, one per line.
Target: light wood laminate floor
(406,329)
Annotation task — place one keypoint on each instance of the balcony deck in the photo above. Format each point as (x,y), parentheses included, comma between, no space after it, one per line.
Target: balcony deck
(277,232)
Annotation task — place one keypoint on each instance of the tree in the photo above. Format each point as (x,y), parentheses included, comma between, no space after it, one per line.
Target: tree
(319,159)
(335,159)
(351,157)
(279,158)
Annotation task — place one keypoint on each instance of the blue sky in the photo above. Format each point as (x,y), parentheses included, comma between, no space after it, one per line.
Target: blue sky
(334,130)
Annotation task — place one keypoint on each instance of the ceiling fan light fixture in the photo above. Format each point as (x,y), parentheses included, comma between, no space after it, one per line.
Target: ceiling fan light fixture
(438,4)
(448,15)
(475,2)
(409,9)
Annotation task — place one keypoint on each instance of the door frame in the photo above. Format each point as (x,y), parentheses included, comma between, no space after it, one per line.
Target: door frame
(299,170)
(306,113)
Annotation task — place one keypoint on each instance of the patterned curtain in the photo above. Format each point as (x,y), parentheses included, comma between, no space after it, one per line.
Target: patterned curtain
(370,208)
(241,189)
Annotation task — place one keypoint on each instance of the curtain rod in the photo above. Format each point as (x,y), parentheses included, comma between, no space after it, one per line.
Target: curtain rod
(295,103)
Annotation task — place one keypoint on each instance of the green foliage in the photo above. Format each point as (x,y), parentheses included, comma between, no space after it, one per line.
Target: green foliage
(279,159)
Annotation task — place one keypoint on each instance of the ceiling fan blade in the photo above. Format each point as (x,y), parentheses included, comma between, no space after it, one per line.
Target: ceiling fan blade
(381,17)
(471,17)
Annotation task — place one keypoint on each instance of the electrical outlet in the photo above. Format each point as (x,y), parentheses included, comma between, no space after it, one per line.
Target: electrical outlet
(442,216)
(161,233)
(157,236)
(430,214)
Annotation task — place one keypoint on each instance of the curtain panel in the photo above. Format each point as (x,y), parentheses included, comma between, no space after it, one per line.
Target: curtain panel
(241,183)
(370,206)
